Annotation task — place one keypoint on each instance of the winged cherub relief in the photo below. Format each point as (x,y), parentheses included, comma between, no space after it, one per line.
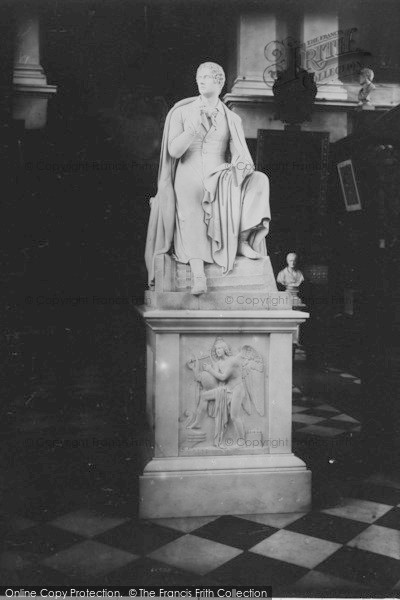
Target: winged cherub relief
(229,384)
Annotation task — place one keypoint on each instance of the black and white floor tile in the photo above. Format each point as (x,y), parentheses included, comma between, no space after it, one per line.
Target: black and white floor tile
(353,546)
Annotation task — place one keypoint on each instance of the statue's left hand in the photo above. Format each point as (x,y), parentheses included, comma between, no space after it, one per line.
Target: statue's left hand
(246,167)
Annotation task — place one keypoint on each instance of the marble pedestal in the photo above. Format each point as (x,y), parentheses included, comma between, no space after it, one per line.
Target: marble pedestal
(235,456)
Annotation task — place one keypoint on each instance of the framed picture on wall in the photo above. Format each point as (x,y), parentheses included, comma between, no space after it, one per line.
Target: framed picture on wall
(349,185)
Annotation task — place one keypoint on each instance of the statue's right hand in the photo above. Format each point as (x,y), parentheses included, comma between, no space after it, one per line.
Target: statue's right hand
(193,123)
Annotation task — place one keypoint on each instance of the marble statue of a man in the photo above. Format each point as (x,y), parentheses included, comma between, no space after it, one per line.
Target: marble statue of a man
(211,204)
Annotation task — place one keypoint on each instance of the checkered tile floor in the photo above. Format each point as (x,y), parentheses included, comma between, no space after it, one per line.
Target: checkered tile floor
(349,546)
(352,546)
(312,416)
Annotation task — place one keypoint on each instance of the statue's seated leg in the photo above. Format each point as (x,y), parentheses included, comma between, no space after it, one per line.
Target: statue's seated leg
(199,278)
(199,285)
(201,409)
(259,234)
(244,248)
(254,225)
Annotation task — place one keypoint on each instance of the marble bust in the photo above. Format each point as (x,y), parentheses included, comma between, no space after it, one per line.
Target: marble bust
(290,277)
(366,78)
(211,205)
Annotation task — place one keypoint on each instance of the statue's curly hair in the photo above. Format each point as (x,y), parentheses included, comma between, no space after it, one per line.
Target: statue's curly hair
(367,72)
(216,70)
(220,340)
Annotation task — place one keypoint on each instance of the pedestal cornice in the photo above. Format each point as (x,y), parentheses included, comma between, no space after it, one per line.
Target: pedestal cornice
(241,321)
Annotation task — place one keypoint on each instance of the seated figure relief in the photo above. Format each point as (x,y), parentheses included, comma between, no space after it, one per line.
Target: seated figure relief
(229,386)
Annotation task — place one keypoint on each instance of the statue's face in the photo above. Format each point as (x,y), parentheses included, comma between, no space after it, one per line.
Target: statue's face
(206,83)
(291,260)
(220,349)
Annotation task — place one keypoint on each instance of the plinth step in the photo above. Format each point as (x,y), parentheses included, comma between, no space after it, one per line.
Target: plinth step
(236,489)
(226,300)
(172,276)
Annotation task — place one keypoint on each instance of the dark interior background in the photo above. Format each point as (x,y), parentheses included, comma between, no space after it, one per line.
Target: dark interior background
(75,201)
(75,213)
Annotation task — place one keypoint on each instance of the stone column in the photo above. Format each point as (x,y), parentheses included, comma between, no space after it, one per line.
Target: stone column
(256,32)
(31,91)
(323,46)
(252,71)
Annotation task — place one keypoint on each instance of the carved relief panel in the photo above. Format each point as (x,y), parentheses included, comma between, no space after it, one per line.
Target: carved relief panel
(223,394)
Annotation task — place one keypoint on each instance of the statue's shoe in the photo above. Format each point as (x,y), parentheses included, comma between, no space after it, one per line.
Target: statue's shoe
(199,285)
(244,249)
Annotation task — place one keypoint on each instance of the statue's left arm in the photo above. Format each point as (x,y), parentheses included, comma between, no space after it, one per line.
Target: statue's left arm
(241,160)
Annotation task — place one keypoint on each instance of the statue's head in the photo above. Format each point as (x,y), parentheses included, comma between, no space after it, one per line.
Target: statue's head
(366,74)
(210,78)
(291,259)
(220,348)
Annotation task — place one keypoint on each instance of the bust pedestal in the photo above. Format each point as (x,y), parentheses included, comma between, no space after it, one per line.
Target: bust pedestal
(219,395)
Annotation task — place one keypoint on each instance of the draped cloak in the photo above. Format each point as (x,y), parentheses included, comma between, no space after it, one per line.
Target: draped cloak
(224,195)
